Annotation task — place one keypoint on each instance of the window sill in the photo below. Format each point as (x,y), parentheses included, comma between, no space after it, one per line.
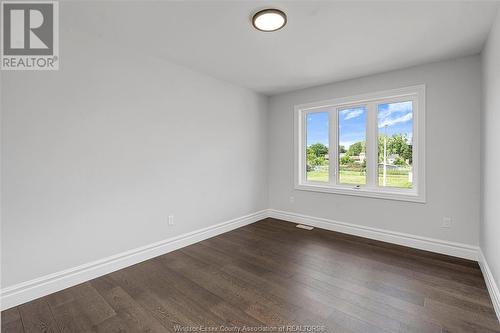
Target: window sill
(393,194)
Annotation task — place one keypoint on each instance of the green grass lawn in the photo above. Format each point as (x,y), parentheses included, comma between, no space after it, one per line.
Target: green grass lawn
(352,177)
(358,178)
(317,176)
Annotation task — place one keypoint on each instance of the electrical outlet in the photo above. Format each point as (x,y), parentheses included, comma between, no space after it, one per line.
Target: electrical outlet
(170,220)
(446,222)
(292,199)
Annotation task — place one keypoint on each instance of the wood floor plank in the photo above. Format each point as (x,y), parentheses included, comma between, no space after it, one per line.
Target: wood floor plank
(264,304)
(271,273)
(253,305)
(11,321)
(70,317)
(160,300)
(169,313)
(129,311)
(114,324)
(61,297)
(12,327)
(184,300)
(37,317)
(80,309)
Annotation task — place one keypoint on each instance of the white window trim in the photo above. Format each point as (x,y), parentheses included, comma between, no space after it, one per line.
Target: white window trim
(416,194)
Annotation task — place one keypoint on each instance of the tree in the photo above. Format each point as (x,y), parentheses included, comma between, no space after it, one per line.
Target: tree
(381,147)
(346,159)
(342,149)
(318,149)
(399,161)
(396,145)
(407,153)
(356,148)
(316,155)
(318,161)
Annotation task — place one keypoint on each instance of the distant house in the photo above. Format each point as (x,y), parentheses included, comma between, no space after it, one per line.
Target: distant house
(392,158)
(362,157)
(389,166)
(359,159)
(356,159)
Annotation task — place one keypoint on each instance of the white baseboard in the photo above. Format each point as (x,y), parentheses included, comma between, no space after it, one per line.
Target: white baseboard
(490,283)
(423,243)
(45,285)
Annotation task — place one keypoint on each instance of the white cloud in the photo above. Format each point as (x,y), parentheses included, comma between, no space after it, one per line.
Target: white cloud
(352,113)
(400,107)
(347,144)
(393,121)
(396,108)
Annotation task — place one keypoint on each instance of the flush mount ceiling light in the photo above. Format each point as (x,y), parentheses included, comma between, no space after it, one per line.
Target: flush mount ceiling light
(269,20)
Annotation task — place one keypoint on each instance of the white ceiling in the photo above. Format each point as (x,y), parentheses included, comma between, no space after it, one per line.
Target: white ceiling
(322,42)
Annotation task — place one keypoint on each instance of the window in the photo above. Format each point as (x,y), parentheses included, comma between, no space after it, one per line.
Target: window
(370,145)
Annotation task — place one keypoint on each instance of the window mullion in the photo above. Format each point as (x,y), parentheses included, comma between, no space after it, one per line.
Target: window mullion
(333,146)
(371,146)
(303,143)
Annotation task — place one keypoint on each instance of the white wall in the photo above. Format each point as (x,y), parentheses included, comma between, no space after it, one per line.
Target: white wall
(453,157)
(95,156)
(490,166)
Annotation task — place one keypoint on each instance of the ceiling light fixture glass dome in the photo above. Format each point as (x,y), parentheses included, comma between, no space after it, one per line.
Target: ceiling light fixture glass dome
(269,20)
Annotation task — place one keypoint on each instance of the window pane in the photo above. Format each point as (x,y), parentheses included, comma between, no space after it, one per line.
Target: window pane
(395,147)
(352,152)
(317,146)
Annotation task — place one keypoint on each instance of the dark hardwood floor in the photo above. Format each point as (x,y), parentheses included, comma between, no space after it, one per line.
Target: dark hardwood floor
(271,274)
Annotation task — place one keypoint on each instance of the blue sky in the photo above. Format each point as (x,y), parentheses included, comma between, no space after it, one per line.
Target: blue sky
(352,126)
(392,118)
(395,118)
(317,128)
